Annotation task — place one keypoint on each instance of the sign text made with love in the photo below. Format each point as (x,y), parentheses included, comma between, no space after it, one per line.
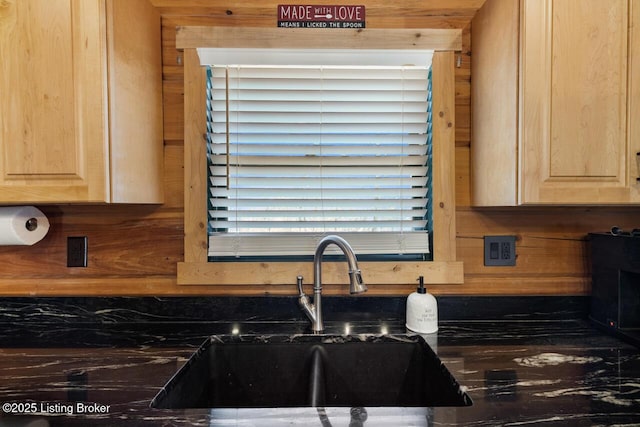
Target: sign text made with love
(321,16)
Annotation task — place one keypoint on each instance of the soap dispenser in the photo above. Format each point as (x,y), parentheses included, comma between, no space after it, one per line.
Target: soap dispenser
(422,311)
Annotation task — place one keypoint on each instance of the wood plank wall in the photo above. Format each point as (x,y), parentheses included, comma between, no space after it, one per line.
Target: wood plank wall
(133,250)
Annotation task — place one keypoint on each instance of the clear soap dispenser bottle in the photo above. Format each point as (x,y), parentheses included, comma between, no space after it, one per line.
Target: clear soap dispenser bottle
(422,311)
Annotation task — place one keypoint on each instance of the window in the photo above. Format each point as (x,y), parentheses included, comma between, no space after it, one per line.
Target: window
(296,152)
(260,277)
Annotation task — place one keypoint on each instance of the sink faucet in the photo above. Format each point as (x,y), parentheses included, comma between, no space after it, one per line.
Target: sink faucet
(314,311)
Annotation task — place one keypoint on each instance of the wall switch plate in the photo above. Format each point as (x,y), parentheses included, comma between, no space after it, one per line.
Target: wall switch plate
(499,250)
(77,251)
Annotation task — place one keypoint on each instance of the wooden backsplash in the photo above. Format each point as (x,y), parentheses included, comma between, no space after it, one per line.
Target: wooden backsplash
(133,250)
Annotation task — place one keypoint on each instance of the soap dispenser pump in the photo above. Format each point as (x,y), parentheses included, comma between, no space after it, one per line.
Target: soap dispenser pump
(422,311)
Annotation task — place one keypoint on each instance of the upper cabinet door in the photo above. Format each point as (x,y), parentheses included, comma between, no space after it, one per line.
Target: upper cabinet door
(574,97)
(634,99)
(52,113)
(554,95)
(80,103)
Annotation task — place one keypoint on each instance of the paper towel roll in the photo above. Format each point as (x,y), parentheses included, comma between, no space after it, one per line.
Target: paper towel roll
(22,225)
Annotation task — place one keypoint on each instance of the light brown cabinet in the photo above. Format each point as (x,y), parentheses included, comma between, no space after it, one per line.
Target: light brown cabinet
(555,100)
(80,101)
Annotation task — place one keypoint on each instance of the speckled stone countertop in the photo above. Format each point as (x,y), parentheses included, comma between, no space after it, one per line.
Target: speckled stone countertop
(100,362)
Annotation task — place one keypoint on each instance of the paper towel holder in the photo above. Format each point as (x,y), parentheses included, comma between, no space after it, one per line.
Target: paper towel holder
(22,225)
(31,224)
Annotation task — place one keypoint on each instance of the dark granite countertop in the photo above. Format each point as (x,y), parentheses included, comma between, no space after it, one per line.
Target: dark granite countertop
(519,369)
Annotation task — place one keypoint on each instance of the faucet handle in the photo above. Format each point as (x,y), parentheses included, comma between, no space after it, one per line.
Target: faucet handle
(299,280)
(303,302)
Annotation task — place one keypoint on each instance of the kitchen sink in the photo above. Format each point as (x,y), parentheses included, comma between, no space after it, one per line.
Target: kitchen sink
(279,371)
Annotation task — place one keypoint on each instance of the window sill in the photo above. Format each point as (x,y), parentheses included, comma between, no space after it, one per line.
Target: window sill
(333,273)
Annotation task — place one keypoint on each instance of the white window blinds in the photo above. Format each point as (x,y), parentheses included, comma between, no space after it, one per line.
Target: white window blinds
(298,152)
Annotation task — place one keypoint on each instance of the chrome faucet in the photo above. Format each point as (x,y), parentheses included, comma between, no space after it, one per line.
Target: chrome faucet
(314,311)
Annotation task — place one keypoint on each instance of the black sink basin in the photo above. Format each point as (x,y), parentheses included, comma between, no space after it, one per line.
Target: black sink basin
(312,370)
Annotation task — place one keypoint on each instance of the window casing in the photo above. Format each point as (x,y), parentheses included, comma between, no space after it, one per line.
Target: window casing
(277,278)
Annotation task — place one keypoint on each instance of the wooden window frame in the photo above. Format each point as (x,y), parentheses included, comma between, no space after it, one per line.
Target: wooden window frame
(280,277)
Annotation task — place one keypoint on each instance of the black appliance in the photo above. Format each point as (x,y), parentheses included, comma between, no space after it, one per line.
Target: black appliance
(615,296)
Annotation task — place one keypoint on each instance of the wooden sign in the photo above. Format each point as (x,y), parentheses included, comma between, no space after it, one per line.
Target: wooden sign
(321,16)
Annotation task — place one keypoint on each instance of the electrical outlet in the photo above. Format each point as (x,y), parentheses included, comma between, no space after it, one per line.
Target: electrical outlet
(499,250)
(77,251)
